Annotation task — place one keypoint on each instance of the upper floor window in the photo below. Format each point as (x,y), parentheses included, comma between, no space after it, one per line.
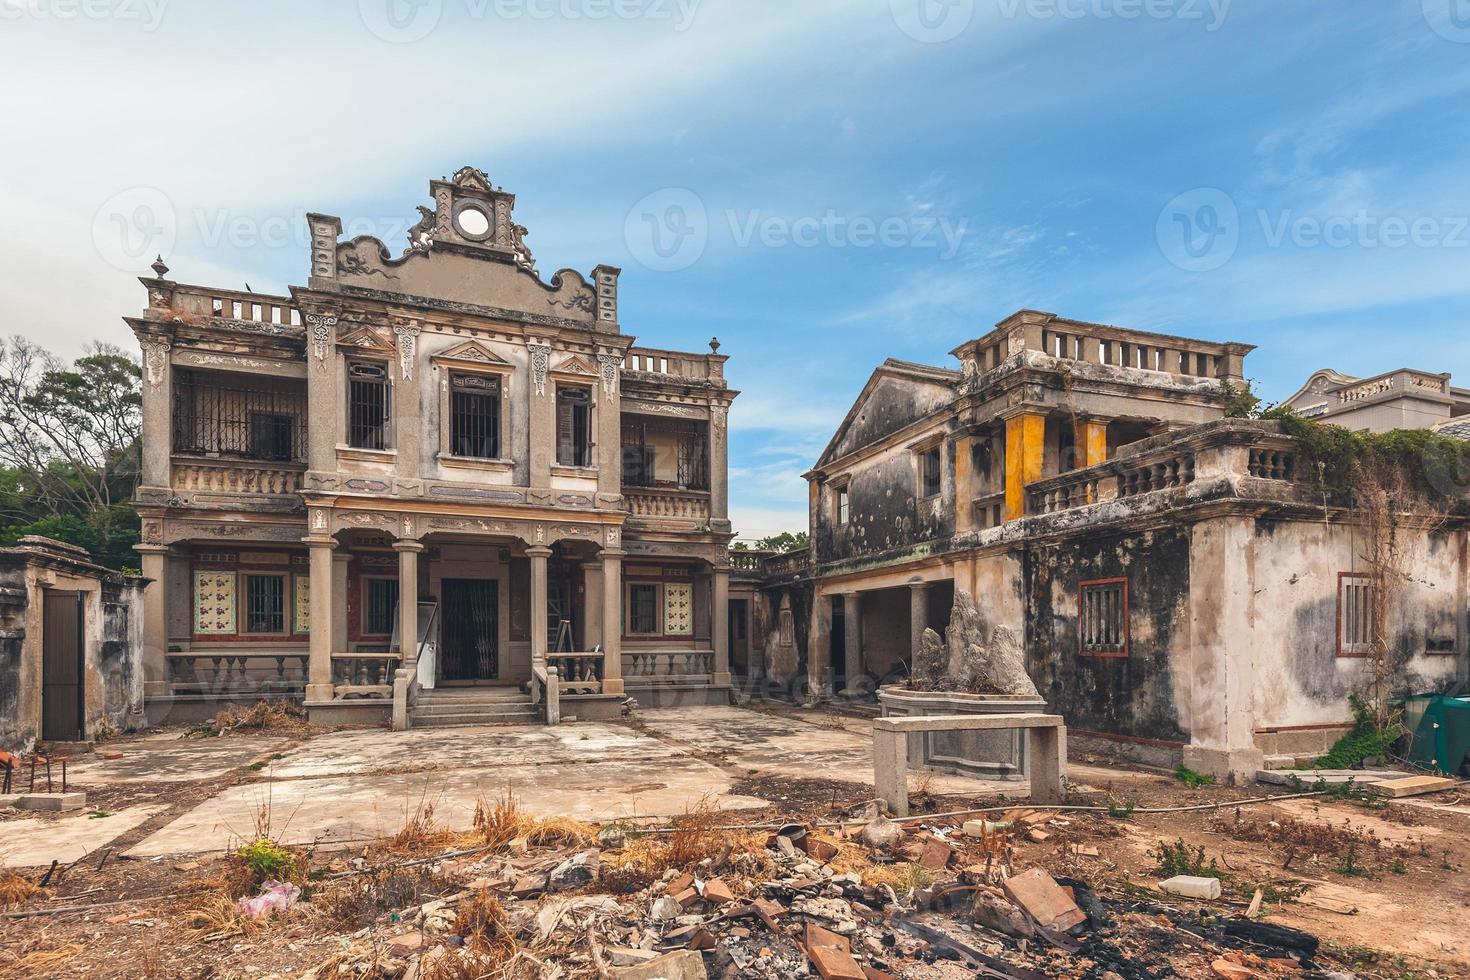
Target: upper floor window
(270,436)
(474,416)
(367,405)
(842,505)
(929,473)
(240,416)
(574,426)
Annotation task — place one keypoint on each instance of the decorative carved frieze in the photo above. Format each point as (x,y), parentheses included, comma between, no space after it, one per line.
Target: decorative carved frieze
(611,365)
(540,365)
(155,359)
(408,346)
(321,326)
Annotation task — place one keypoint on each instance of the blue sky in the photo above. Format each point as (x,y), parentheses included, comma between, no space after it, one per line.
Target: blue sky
(832,181)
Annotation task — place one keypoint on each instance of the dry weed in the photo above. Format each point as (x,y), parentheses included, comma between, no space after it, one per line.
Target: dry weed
(696,838)
(263,716)
(218,917)
(853,858)
(561,831)
(15,891)
(41,962)
(419,833)
(497,824)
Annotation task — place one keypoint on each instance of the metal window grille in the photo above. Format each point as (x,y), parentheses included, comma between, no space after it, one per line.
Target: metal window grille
(929,470)
(215,415)
(474,416)
(1356,595)
(1102,618)
(640,457)
(367,406)
(643,609)
(380,606)
(265,603)
(574,427)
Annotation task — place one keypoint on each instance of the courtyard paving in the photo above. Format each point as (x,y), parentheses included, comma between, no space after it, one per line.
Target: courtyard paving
(356,785)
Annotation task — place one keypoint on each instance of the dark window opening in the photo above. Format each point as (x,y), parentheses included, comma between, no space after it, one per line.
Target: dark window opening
(642,440)
(271,436)
(643,609)
(265,603)
(380,605)
(474,414)
(367,406)
(929,472)
(843,508)
(1102,618)
(214,415)
(574,426)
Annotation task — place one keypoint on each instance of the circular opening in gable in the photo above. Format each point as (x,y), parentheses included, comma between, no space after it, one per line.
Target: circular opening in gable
(473,223)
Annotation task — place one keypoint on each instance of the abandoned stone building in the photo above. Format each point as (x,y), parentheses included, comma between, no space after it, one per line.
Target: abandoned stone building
(421,484)
(1180,593)
(1401,399)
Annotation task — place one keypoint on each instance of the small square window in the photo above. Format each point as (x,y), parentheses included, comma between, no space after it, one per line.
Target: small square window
(643,609)
(1356,595)
(1102,618)
(265,604)
(929,473)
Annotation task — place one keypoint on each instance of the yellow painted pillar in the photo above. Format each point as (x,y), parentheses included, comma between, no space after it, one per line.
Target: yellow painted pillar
(1092,439)
(1025,453)
(964,483)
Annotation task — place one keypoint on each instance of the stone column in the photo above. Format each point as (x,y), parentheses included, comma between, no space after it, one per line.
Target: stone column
(591,604)
(1091,439)
(541,416)
(319,673)
(720,625)
(324,395)
(406,402)
(719,462)
(538,556)
(612,621)
(155,620)
(1221,711)
(609,411)
(964,483)
(339,608)
(852,634)
(1025,453)
(819,646)
(157,432)
(408,600)
(918,618)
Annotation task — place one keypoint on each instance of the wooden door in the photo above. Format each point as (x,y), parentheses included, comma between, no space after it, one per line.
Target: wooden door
(62,691)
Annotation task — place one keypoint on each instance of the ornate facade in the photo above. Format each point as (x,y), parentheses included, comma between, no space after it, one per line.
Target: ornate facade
(438,438)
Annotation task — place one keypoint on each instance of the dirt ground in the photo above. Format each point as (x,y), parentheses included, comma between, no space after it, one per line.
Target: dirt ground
(1383,886)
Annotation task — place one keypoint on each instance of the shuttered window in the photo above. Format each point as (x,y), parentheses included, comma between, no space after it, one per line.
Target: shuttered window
(574,426)
(474,416)
(1356,596)
(1102,618)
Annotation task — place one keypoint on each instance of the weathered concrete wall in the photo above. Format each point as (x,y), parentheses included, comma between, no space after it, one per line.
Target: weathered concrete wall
(885,510)
(892,403)
(1300,679)
(885,616)
(1137,695)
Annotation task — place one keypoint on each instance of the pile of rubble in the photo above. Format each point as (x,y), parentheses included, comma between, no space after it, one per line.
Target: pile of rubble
(861,901)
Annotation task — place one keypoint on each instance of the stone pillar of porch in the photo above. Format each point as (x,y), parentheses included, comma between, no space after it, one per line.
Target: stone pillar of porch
(408,600)
(155,620)
(612,622)
(918,618)
(819,647)
(538,556)
(720,626)
(319,673)
(852,635)
(339,608)
(1025,457)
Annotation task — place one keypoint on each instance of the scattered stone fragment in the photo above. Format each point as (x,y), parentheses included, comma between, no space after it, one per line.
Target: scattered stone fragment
(717,892)
(1044,900)
(577,871)
(684,964)
(881,833)
(1206,889)
(407,944)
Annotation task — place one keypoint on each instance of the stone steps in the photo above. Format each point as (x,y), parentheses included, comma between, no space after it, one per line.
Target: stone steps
(466,707)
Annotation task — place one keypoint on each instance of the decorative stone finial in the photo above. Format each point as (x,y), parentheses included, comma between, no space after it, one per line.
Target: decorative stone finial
(159,268)
(714,344)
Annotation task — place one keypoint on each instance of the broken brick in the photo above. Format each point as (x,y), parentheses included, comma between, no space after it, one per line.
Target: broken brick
(834,964)
(817,936)
(407,944)
(718,892)
(1043,899)
(935,855)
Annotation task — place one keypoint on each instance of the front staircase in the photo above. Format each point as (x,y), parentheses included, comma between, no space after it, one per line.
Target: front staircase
(465,706)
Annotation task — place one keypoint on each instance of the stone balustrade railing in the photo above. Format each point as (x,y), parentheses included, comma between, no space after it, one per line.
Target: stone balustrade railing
(222,673)
(1230,447)
(236,476)
(690,505)
(676,365)
(689,665)
(790,564)
(224,304)
(364,675)
(749,560)
(580,673)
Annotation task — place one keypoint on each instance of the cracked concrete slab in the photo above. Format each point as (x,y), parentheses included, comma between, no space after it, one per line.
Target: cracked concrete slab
(167,758)
(33,843)
(339,809)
